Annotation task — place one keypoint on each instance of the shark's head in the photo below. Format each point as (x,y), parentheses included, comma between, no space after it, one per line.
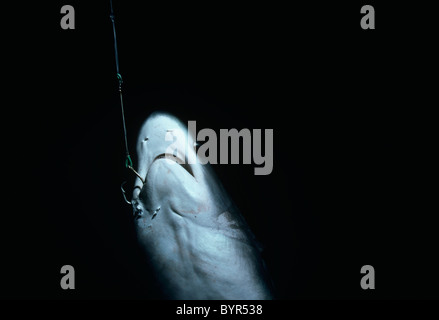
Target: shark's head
(171,172)
(162,136)
(185,220)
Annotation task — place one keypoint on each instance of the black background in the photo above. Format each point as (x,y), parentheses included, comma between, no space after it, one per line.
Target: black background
(351,179)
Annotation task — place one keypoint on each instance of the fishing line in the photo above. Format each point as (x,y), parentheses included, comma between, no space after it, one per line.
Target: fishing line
(128,161)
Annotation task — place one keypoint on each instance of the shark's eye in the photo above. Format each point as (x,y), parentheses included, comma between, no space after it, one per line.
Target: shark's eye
(146,139)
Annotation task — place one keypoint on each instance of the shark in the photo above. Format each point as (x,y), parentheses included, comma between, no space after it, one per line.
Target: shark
(196,240)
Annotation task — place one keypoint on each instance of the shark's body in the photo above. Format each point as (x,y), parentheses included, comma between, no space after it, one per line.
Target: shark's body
(197,241)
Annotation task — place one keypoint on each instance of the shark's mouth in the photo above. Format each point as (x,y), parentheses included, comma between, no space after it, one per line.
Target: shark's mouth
(138,213)
(176,158)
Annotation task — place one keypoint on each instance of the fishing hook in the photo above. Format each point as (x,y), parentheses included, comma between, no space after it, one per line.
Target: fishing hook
(123,193)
